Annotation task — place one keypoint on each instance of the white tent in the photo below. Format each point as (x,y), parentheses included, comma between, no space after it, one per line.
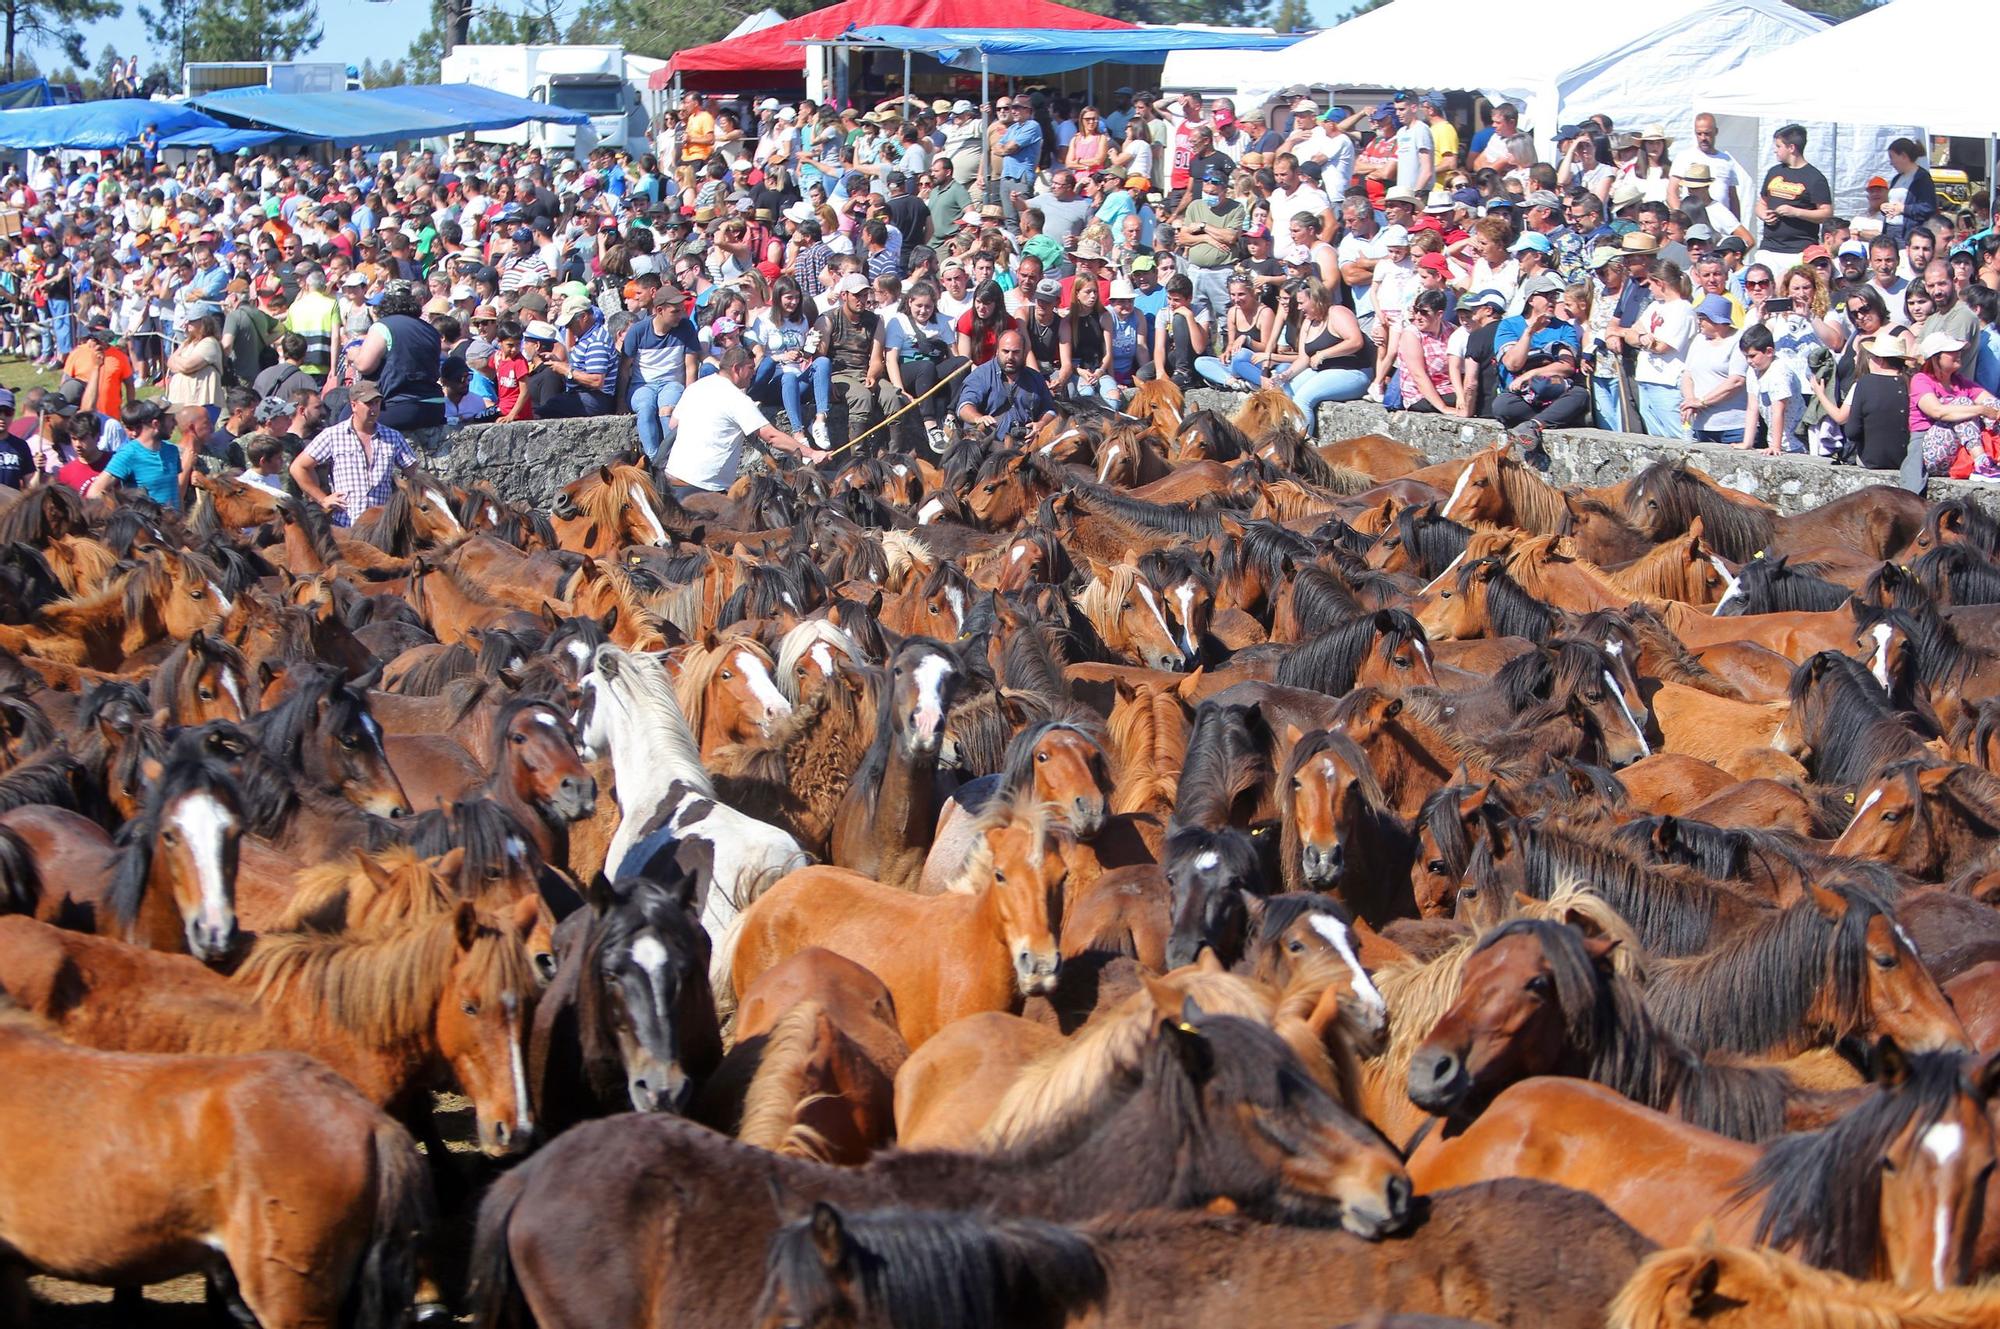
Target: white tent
(1863,72)
(1560,60)
(757,22)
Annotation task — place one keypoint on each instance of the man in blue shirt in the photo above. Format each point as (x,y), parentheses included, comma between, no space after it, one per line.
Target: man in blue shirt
(1541,359)
(1021,154)
(662,355)
(147,460)
(592,368)
(1004,394)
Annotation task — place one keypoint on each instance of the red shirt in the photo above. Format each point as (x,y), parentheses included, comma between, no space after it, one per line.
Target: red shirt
(509,376)
(76,473)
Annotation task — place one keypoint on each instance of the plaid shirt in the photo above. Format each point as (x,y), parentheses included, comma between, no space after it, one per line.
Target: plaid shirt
(809,264)
(365,476)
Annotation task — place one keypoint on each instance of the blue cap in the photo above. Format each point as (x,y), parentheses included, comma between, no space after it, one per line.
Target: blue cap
(1337,113)
(1384,110)
(1468,196)
(1534,240)
(522,235)
(1434,97)
(1568,132)
(1716,309)
(1488,297)
(1215,174)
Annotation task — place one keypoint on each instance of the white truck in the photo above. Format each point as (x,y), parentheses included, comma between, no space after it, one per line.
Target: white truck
(590,79)
(207,76)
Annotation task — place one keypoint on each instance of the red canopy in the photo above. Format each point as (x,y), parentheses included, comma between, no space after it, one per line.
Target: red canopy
(769,51)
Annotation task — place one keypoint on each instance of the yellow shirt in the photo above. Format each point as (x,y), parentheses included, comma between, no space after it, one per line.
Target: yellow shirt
(1444,140)
(700,139)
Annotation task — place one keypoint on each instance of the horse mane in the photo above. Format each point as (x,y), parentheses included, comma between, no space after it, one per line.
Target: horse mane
(1350,754)
(283,727)
(1673,662)
(1433,542)
(1736,530)
(1537,505)
(184,774)
(1040,820)
(1329,661)
(33,729)
(1510,610)
(798,643)
(905,552)
(494,842)
(1772,585)
(1672,910)
(381,989)
(1196,522)
(1100,601)
(1228,755)
(911,1269)
(312,521)
(1976,526)
(1955,572)
(1653,573)
(1149,734)
(1525,562)
(1854,730)
(698,669)
(51,776)
(1822,1189)
(1052,1090)
(647,615)
(1781,1291)
(324,895)
(1323,601)
(776,1092)
(603,501)
(651,686)
(1706,999)
(1017,768)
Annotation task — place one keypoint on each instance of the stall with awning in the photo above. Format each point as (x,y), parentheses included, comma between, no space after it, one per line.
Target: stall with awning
(97,125)
(1029,51)
(381,115)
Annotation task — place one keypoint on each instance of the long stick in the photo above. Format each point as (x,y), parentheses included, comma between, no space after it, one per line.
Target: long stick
(900,411)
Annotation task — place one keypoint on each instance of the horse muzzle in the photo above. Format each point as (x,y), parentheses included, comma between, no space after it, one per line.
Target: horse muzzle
(502,1139)
(1372,1217)
(1036,974)
(212,943)
(1086,817)
(1322,867)
(1439,1080)
(574,799)
(658,1086)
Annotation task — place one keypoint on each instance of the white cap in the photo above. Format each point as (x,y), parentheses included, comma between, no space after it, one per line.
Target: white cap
(1396,236)
(1934,342)
(1122,290)
(852,283)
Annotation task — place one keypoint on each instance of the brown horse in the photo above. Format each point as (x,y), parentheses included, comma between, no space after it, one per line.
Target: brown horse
(728,692)
(391,1015)
(1931,821)
(166,597)
(1888,1190)
(236,504)
(1130,619)
(1206,1272)
(1340,834)
(607,509)
(986,946)
(888,811)
(265,1171)
(1148,734)
(1710,1286)
(817,1084)
(203,679)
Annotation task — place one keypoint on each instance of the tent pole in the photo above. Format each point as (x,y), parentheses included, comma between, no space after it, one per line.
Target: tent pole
(985,121)
(908,114)
(1992,201)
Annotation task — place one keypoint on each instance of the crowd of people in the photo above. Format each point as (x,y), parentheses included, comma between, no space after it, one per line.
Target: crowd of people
(942,266)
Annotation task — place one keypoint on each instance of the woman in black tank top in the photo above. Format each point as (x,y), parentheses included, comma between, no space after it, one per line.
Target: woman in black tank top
(1089,339)
(1242,358)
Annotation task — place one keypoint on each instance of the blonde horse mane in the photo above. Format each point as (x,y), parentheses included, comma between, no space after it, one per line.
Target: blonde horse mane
(799,641)
(1524,564)
(777,1094)
(1102,602)
(1266,409)
(1037,819)
(1054,1088)
(634,609)
(1767,1289)
(603,502)
(1538,506)
(347,892)
(1148,734)
(381,989)
(80,562)
(698,669)
(906,554)
(643,678)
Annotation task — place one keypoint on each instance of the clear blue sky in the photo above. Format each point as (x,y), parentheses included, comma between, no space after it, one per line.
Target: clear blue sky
(356,30)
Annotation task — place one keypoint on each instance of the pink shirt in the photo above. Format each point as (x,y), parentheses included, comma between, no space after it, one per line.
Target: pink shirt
(1922,384)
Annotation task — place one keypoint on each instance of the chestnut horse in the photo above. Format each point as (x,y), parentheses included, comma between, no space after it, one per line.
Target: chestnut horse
(266,1171)
(728,692)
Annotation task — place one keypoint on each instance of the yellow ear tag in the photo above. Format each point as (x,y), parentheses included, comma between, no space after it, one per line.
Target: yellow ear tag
(1849,798)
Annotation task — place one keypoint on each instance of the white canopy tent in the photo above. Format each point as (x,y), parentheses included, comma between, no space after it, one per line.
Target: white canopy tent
(1559,60)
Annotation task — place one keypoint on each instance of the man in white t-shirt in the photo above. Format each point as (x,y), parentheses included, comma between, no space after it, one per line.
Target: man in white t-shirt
(1731,182)
(1358,252)
(1331,146)
(1294,194)
(711,421)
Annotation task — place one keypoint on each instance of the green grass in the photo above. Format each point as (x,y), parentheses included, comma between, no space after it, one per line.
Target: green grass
(18,375)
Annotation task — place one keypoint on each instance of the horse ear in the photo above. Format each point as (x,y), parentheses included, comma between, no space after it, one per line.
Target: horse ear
(1950,519)
(365,682)
(551,616)
(609,621)
(1987,1080)
(1888,1064)
(604,474)
(1831,903)
(875,605)
(1098,571)
(698,534)
(829,1236)
(526,915)
(465,924)
(1196,1055)
(1189,688)
(268,673)
(1697,1286)
(1124,687)
(1393,709)
(1208,962)
(1600,949)
(374,871)
(1933,778)
(1292,735)
(1695,531)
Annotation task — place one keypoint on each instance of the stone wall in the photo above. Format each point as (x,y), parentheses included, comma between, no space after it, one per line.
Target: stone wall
(1595,457)
(530,461)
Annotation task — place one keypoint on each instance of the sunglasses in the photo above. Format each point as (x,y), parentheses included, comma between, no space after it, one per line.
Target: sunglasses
(1756,285)
(1861,311)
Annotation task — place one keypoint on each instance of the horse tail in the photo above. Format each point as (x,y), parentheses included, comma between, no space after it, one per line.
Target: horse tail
(405,1214)
(489,1271)
(20,883)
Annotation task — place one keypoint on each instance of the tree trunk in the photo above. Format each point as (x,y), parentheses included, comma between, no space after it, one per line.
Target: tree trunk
(10,40)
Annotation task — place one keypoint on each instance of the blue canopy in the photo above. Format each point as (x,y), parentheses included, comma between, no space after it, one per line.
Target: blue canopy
(28,92)
(382,115)
(106,124)
(1054,50)
(224,139)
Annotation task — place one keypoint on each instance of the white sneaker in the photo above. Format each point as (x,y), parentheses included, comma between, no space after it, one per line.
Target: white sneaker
(935,433)
(819,438)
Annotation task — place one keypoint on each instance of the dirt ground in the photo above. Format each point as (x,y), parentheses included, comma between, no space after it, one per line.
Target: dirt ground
(181,1304)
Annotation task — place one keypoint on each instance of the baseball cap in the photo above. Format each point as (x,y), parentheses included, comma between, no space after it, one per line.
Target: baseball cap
(273,408)
(961,107)
(1853,247)
(1384,111)
(1542,283)
(1700,232)
(1716,309)
(1937,342)
(354,279)
(539,331)
(1731,244)
(1144,263)
(1434,263)
(1048,288)
(1467,197)
(852,284)
(1214,175)
(722,327)
(522,235)
(1534,240)
(1489,298)
(1395,237)
(1542,198)
(1813,253)
(6,399)
(1877,182)
(1603,256)
(364,391)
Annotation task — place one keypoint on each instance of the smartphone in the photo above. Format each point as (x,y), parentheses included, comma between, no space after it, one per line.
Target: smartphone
(1781,304)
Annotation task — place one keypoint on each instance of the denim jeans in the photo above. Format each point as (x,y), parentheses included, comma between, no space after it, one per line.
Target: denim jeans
(1660,408)
(651,403)
(1211,289)
(1607,404)
(1310,387)
(1718,435)
(1243,365)
(63,326)
(790,387)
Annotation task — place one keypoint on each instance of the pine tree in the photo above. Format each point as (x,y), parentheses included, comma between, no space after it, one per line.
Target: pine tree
(48,23)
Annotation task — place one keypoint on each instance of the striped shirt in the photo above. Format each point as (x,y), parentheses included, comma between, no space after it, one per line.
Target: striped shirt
(594,353)
(807,267)
(365,476)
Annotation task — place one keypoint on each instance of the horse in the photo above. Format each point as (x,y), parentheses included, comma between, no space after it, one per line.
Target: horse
(165,597)
(1129,620)
(1888,1189)
(175,882)
(202,679)
(1270,1140)
(991,939)
(1339,833)
(391,1014)
(1148,732)
(907,1269)
(1712,1286)
(629,1020)
(1541,997)
(606,509)
(1932,821)
(889,813)
(667,806)
(323,729)
(301,1201)
(727,691)
(1056,764)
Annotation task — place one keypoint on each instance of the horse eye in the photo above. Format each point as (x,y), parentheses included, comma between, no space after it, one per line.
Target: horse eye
(1468,892)
(170,836)
(727,674)
(1295,946)
(349,741)
(206,694)
(933,609)
(1884,960)
(196,593)
(1541,985)
(1435,867)
(999,877)
(1041,756)
(1444,595)
(519,738)
(1402,662)
(1893,816)
(470,1008)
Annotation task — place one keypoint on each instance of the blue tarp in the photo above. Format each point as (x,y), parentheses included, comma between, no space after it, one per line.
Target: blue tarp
(383,115)
(1022,51)
(106,124)
(28,92)
(225,139)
